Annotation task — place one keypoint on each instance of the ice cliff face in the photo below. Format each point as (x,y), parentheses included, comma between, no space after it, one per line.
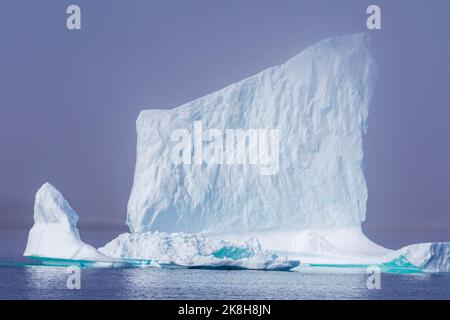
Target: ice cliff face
(318,102)
(54,233)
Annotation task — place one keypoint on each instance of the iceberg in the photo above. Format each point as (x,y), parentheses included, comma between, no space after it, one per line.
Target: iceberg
(424,257)
(300,193)
(54,233)
(318,102)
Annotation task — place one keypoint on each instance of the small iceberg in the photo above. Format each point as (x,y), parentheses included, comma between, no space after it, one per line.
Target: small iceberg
(55,234)
(54,240)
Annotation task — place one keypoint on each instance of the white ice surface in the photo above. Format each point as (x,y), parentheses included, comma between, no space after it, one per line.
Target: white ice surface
(311,210)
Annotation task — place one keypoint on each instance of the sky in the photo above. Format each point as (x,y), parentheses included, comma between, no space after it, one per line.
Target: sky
(69,99)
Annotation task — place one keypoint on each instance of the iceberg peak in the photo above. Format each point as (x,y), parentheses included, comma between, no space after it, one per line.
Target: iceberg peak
(51,207)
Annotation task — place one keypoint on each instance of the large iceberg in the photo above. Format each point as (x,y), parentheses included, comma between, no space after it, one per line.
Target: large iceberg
(277,158)
(318,104)
(318,101)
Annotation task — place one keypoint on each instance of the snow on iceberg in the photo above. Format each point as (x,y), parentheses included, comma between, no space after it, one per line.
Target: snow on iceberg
(425,257)
(54,233)
(318,101)
(195,251)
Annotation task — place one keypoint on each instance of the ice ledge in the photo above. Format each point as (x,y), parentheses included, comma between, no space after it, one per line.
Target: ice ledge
(196,251)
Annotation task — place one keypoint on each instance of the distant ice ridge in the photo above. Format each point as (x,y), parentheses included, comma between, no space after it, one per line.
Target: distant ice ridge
(318,101)
(54,233)
(426,257)
(195,251)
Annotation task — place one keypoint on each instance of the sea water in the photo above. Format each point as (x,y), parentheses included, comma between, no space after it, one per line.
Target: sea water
(43,282)
(18,281)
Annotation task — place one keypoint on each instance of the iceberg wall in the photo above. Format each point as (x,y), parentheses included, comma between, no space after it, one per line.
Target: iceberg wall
(318,101)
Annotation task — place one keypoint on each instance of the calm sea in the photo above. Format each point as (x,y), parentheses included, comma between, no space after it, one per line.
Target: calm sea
(41,282)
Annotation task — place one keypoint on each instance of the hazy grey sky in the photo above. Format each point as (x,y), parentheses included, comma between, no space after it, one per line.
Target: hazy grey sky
(69,99)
